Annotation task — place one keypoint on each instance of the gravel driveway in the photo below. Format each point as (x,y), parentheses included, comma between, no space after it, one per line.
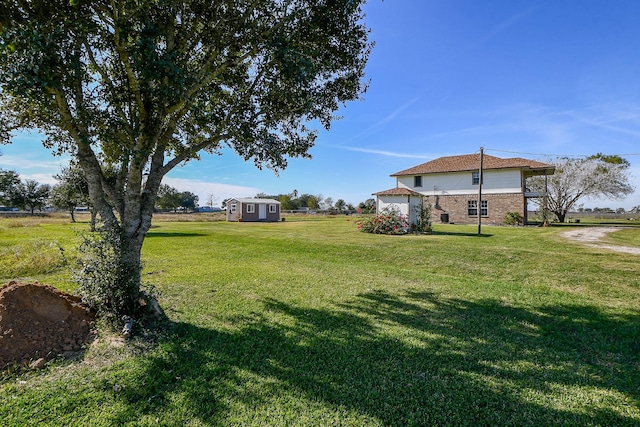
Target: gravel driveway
(591,237)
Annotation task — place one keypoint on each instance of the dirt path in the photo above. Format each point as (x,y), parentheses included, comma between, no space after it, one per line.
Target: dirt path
(591,237)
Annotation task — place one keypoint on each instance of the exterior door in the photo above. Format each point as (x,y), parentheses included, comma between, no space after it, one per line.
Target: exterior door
(262,211)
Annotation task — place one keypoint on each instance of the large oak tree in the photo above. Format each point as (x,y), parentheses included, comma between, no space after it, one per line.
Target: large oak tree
(593,177)
(141,86)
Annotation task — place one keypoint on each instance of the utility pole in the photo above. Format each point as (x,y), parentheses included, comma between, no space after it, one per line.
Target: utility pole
(480,192)
(545,201)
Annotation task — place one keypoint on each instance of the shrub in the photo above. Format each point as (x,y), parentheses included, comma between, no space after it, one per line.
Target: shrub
(512,218)
(423,218)
(389,221)
(103,281)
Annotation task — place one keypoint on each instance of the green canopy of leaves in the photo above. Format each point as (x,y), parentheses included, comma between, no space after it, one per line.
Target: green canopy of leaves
(134,88)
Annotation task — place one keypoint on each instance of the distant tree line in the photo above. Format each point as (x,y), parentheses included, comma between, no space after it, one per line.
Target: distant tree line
(295,201)
(27,195)
(605,210)
(72,193)
(170,199)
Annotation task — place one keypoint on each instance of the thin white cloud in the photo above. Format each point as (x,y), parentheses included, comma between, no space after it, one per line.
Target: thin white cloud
(501,27)
(385,120)
(516,122)
(20,163)
(34,169)
(42,178)
(394,114)
(615,118)
(383,152)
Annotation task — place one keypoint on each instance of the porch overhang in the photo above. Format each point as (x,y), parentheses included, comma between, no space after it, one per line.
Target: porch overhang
(549,170)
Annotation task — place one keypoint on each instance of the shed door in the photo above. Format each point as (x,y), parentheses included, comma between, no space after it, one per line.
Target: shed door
(262,211)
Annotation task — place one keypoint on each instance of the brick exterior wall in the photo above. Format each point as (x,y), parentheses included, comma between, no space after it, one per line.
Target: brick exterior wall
(456,207)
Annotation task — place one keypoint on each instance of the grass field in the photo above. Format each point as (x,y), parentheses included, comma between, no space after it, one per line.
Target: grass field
(309,322)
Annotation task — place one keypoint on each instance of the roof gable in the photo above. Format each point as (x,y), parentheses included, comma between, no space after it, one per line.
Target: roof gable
(471,162)
(398,191)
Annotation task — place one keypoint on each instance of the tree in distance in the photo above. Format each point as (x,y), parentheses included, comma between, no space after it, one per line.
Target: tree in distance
(28,194)
(31,195)
(368,206)
(9,183)
(170,198)
(71,191)
(597,176)
(141,87)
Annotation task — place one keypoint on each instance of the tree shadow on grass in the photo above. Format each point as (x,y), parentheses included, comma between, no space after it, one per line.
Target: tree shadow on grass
(154,234)
(460,234)
(410,359)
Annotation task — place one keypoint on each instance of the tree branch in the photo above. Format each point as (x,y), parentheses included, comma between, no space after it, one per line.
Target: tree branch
(88,160)
(110,86)
(133,83)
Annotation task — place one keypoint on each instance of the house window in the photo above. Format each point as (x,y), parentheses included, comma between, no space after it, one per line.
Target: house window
(417,181)
(234,208)
(251,208)
(475,177)
(472,208)
(272,209)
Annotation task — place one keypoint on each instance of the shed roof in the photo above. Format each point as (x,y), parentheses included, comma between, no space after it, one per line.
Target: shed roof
(471,162)
(256,200)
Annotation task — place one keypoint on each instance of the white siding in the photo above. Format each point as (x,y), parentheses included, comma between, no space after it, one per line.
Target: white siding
(400,202)
(405,204)
(494,182)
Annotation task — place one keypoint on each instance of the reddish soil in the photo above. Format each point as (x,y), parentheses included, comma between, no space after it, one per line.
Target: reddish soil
(38,323)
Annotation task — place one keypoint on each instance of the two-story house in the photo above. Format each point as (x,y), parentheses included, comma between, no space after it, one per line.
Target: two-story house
(450,186)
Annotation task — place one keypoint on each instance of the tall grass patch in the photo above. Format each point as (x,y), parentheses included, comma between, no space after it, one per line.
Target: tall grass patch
(39,248)
(31,258)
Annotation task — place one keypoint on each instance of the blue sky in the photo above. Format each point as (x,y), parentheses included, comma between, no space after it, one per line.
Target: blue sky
(520,78)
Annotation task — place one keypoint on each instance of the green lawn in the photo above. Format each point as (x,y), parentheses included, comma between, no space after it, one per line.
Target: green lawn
(312,323)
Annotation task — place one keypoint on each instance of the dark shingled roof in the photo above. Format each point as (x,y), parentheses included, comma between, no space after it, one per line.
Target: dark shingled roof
(398,191)
(471,162)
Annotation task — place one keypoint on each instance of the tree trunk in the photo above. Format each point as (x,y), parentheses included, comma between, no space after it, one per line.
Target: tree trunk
(92,223)
(133,228)
(130,269)
(73,218)
(125,208)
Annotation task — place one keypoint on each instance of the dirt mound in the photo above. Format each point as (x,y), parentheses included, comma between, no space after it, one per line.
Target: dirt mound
(38,323)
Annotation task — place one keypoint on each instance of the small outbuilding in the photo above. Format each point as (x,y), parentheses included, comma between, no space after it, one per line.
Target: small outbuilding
(253,210)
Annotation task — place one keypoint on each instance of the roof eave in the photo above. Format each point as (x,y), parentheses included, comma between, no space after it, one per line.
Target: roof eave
(547,170)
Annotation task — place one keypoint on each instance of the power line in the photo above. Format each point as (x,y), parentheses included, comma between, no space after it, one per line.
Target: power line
(556,155)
